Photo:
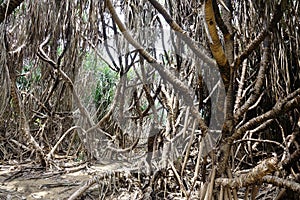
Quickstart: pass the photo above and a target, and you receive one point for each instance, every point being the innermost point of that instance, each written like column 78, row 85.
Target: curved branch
column 178, row 85
column 257, row 173
column 215, row 45
column 185, row 38
column 285, row 105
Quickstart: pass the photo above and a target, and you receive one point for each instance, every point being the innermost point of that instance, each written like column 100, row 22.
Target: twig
column 210, row 187
column 211, row 62
column 188, row 149
column 259, row 80
column 260, row 37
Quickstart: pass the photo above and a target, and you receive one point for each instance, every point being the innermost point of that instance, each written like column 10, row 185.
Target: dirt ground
column 34, row 183
column 30, row 182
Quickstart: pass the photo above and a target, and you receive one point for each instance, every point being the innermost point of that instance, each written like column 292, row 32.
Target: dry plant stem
column 292, row 185
column 188, row 149
column 24, row 125
column 50, row 154
column 203, row 190
column 229, row 193
column 288, row 162
column 178, row 85
column 96, row 50
column 221, row 193
column 20, row 145
column 71, row 144
column 226, row 194
column 67, row 79
column 235, row 197
column 228, row 37
column 131, row 147
column 26, row 132
column 260, row 140
column 82, row 109
column 282, row 106
column 76, row 168
column 210, row 188
column 216, row 47
column 178, row 179
column 46, row 58
column 86, row 186
column 197, row 167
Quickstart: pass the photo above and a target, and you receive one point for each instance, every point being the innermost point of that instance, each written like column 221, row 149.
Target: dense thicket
column 208, row 90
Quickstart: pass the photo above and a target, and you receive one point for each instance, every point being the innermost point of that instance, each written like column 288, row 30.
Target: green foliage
column 29, row 76
column 105, row 89
column 106, row 79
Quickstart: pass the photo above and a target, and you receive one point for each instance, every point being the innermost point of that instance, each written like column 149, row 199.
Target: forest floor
column 29, row 182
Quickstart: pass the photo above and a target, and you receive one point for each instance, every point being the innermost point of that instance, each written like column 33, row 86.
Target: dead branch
column 86, row 186
column 186, row 38
column 282, row 106
column 50, row 154
column 280, row 182
column 261, row 36
column 177, row 84
column 259, row 80
column 255, row 175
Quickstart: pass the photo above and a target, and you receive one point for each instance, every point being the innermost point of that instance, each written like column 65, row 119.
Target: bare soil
column 30, row 182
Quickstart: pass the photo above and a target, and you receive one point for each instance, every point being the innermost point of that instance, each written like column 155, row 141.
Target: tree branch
column 210, row 62
column 282, row 106
column 261, row 36
column 215, row 45
column 294, row 186
column 259, row 80
column 257, row 173
column 178, row 85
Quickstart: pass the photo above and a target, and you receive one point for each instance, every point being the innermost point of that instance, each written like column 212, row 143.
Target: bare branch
column 257, row 173
column 282, row 106
column 178, row 85
column 292, row 185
